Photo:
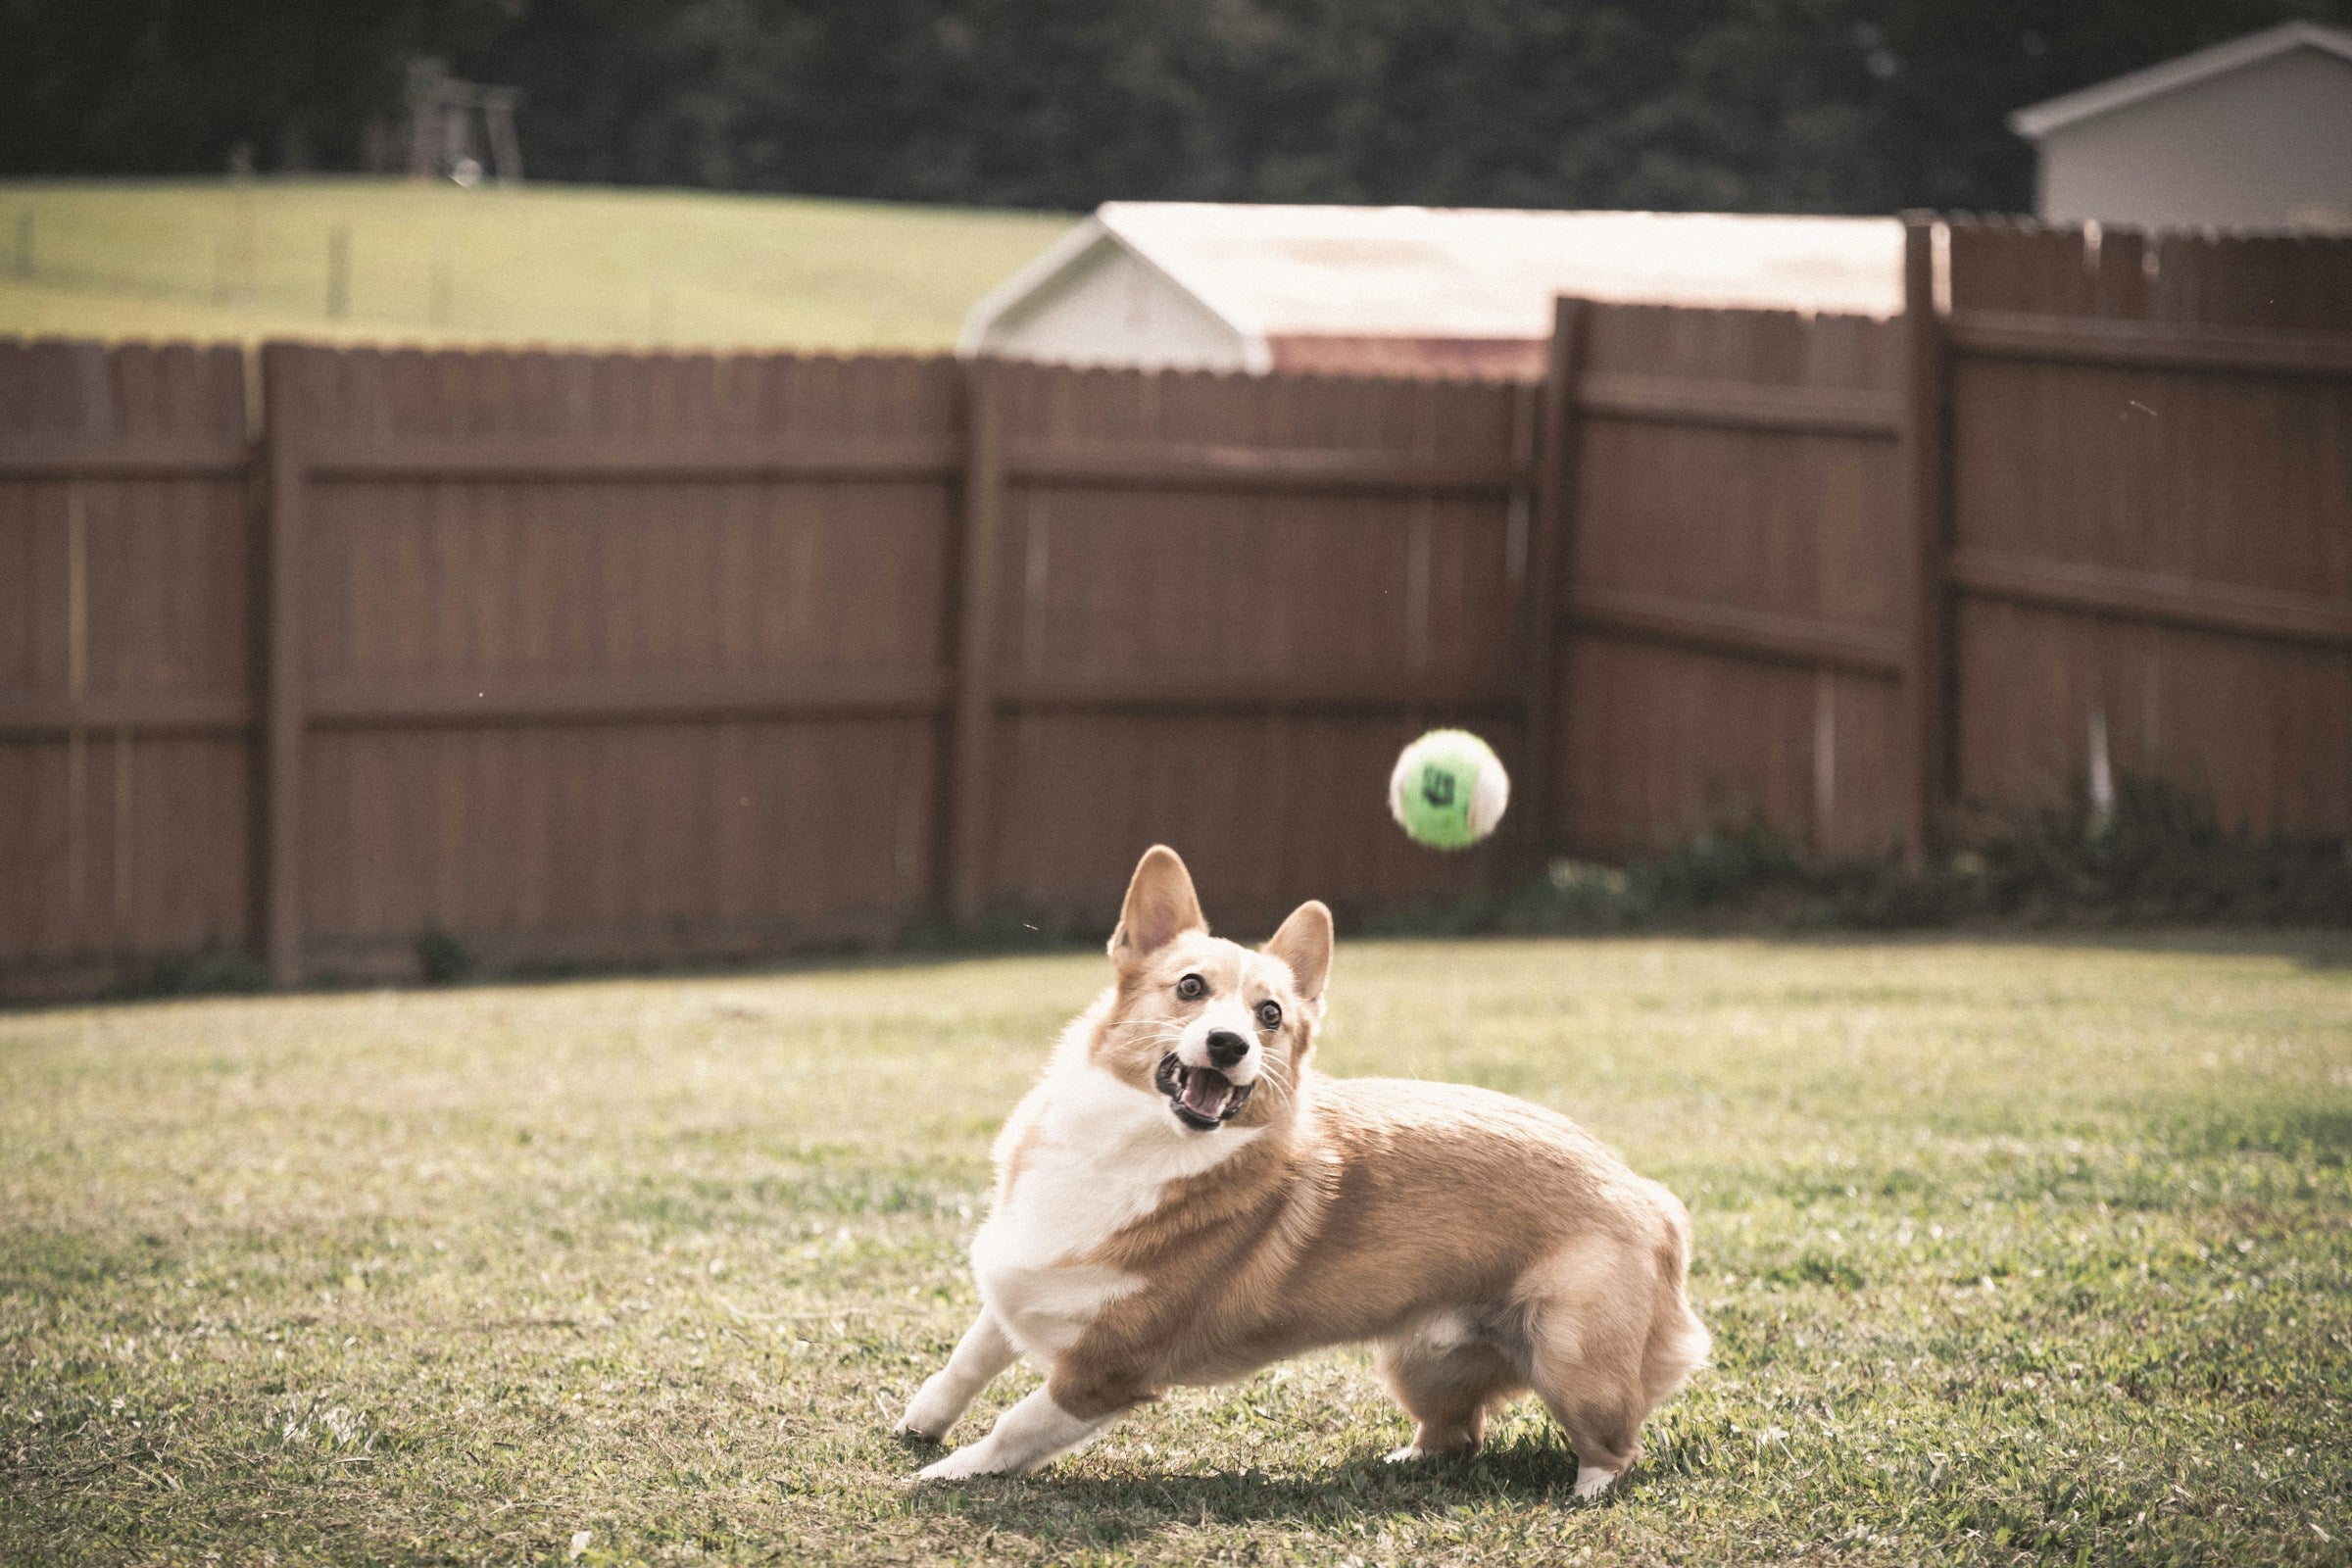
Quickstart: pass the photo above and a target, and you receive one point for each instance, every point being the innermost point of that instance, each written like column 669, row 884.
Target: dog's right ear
column 1160, row 908
column 1305, row 944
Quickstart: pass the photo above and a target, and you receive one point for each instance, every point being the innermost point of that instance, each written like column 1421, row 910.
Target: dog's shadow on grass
column 1064, row 1509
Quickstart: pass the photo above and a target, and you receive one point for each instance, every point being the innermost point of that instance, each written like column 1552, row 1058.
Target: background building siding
column 2267, row 146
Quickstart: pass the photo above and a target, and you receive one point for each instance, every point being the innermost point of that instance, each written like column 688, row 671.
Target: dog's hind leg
column 982, row 1354
column 1603, row 1425
column 1587, row 1336
column 1447, row 1382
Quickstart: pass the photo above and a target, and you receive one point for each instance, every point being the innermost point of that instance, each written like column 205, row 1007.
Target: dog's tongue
column 1205, row 1091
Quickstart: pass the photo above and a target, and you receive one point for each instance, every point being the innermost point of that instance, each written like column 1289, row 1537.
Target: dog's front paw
column 909, row 1429
column 1421, row 1449
column 970, row 1460
column 930, row 1413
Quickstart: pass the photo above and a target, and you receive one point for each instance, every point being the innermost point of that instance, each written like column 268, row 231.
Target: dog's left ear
column 1305, row 944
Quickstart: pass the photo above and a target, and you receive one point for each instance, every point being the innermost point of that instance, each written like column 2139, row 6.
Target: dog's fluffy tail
column 1679, row 1342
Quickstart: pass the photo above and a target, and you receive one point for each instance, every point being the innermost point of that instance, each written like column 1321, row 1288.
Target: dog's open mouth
column 1204, row 1099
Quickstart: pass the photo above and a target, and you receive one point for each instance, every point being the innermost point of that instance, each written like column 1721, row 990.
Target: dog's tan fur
column 1487, row 1246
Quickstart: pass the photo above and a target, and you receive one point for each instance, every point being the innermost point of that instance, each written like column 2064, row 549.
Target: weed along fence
column 578, row 657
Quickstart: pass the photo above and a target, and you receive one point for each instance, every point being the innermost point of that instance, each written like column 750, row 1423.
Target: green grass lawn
column 2014, row 1251
column 426, row 263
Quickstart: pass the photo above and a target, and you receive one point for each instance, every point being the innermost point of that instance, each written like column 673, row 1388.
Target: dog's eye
column 1269, row 1014
column 1192, row 988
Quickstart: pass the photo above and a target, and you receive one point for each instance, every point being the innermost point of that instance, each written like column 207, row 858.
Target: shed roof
column 2039, row 119
column 1464, row 272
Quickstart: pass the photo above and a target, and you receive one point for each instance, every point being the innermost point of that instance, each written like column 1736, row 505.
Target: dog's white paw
column 930, row 1413
column 965, row 1462
column 1591, row 1483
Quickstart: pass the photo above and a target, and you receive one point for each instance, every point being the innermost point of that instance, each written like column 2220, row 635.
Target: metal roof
column 1271, row 270
column 2039, row 119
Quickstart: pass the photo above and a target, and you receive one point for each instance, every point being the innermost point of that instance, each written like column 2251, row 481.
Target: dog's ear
column 1305, row 944
column 1160, row 908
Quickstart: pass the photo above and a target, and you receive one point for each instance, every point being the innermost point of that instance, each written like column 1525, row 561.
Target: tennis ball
column 1449, row 790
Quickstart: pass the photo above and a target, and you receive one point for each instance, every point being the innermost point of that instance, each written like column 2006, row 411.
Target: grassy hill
column 377, row 260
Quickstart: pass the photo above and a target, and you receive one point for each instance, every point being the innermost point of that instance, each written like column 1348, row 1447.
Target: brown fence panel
column 2152, row 483
column 1733, row 582
column 1223, row 602
column 125, row 675
column 613, row 656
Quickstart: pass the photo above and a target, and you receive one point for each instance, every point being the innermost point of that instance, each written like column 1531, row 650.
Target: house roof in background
column 2039, row 119
column 1465, row 272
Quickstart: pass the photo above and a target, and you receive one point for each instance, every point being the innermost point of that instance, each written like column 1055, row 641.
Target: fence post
column 285, row 376
column 1926, row 411
column 1546, row 556
column 972, row 748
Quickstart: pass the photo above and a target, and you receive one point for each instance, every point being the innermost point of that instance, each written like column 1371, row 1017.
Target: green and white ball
column 1449, row 790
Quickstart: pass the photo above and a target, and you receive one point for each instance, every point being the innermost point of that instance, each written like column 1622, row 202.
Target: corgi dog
column 1183, row 1199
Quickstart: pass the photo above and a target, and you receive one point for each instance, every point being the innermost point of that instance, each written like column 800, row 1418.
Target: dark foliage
column 172, row 87
column 2158, row 859
column 442, row 960
column 1774, row 105
column 215, row 971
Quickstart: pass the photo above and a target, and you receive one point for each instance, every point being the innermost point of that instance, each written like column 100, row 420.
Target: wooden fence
column 600, row 658
column 125, row 658
column 2149, row 518
column 1735, row 530
column 591, row 657
column 2086, row 510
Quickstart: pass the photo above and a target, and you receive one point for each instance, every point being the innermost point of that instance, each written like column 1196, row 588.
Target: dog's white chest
column 1103, row 1155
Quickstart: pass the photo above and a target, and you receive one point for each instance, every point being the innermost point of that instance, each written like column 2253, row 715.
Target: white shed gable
column 1092, row 300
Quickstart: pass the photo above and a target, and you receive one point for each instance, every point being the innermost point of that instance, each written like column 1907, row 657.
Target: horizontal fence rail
column 541, row 461
column 589, row 658
column 2153, row 598
column 1746, row 633
column 1801, row 409
column 74, row 455
column 1142, row 467
column 2148, row 345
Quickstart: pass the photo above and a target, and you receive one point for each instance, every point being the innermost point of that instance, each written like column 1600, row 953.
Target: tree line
column 1861, row 105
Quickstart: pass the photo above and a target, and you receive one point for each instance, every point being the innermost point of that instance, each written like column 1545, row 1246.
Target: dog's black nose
column 1225, row 1048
